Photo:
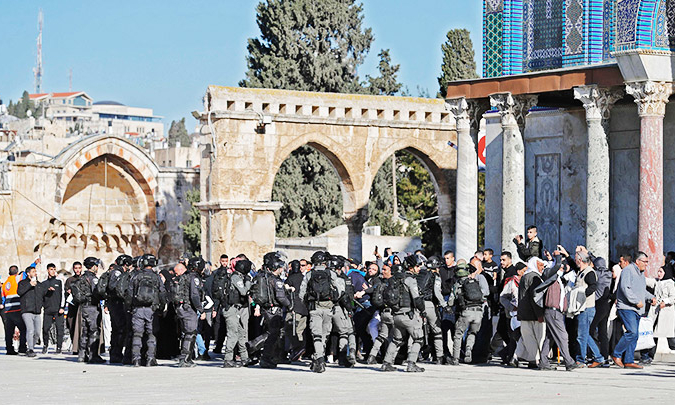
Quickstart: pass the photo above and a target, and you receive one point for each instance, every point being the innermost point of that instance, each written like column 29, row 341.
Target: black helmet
column 196, row 264
column 334, row 262
column 123, row 260
column 294, row 266
column 147, row 260
column 396, row 269
column 90, row 262
column 243, row 266
column 434, row 262
column 270, row 259
column 412, row 261
column 319, row 257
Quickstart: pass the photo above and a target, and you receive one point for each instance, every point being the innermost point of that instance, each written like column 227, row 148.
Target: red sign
column 481, row 150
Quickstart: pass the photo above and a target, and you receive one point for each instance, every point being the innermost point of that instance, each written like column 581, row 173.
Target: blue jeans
column 628, row 342
column 584, row 338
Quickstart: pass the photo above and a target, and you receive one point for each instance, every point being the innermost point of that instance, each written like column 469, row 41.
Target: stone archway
column 256, row 129
column 105, row 201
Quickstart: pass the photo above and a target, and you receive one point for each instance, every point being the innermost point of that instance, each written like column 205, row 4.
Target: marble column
column 651, row 98
column 513, row 111
column 355, row 236
column 597, row 103
column 446, row 228
column 466, row 205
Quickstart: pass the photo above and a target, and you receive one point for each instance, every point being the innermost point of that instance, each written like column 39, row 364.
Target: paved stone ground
column 60, row 379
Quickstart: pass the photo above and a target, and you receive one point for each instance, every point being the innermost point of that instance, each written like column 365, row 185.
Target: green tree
column 458, row 59
column 381, row 205
column 386, row 84
column 191, row 226
column 312, row 46
column 308, row 45
column 312, row 198
column 21, row 108
column 178, row 133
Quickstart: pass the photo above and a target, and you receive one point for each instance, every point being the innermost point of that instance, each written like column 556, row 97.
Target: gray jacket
column 632, row 289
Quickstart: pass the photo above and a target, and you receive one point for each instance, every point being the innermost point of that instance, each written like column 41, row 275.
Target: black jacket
column 31, row 297
column 52, row 300
column 528, row 310
column 279, row 291
column 294, row 279
column 531, row 248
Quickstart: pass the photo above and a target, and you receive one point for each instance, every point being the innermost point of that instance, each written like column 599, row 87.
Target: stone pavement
column 59, row 379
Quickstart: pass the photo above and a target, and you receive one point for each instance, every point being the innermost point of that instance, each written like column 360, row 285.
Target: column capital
column 513, row 109
column 598, row 101
column 460, row 109
column 651, row 97
column 477, row 107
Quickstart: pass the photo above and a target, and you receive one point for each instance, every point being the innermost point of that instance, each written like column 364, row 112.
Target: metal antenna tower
column 38, row 69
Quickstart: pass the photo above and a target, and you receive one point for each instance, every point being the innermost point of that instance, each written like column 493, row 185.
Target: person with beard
column 296, row 320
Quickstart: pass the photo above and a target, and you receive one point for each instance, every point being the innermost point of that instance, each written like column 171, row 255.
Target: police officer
column 386, row 324
column 146, row 294
column 470, row 309
column 273, row 313
column 236, row 313
column 118, row 315
column 319, row 289
column 186, row 291
column 91, row 316
column 429, row 283
column 343, row 312
column 407, row 316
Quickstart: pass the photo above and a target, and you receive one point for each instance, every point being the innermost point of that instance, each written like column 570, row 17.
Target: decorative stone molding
column 460, row 109
column 650, row 97
column 513, row 109
column 476, row 110
column 240, row 205
column 598, row 101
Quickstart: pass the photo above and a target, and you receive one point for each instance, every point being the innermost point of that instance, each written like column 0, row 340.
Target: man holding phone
column 533, row 247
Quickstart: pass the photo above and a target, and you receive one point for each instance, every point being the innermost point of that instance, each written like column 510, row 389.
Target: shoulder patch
column 196, row 281
column 117, row 273
column 280, row 284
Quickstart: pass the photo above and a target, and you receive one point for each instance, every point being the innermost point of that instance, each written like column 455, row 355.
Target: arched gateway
column 255, row 130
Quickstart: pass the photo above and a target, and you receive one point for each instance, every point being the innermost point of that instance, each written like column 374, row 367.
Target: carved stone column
column 597, row 102
column 651, row 98
column 446, row 228
column 355, row 236
column 466, row 206
column 513, row 111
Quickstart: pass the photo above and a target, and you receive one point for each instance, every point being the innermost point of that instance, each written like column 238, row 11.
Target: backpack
column 146, row 293
column 81, row 290
column 376, row 297
column 102, row 286
column 347, row 299
column 392, row 292
column 261, row 291
column 472, row 292
column 425, row 284
column 220, row 285
column 319, row 287
column 122, row 286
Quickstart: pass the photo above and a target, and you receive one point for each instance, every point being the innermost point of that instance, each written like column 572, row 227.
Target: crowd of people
column 534, row 308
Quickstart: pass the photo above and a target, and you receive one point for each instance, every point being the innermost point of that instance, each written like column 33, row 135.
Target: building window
column 188, row 164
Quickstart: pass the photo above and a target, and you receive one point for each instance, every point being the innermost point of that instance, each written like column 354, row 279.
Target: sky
column 162, row 54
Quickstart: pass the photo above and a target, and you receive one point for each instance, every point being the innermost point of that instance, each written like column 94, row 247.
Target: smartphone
column 375, row 249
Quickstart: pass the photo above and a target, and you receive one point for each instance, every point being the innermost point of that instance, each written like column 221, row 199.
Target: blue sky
column 163, row 54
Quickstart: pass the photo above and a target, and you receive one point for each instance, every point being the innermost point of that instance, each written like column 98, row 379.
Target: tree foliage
column 458, row 59
column 386, row 84
column 21, row 108
column 191, row 226
column 308, row 45
column 178, row 133
column 312, row 198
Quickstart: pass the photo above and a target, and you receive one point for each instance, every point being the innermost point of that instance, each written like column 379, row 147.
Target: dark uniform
column 187, row 299
column 118, row 315
column 429, row 283
column 71, row 313
column 274, row 316
column 53, row 300
column 91, row 317
column 295, row 333
column 146, row 294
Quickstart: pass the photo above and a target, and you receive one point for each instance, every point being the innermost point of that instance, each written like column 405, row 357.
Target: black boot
column 388, row 367
column 414, row 368
column 256, row 344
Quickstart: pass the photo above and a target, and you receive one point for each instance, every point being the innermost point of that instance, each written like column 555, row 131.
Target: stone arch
column 139, row 164
column 330, row 149
column 441, row 177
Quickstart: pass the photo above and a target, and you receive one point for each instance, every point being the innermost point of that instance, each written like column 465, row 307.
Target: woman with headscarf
column 663, row 313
